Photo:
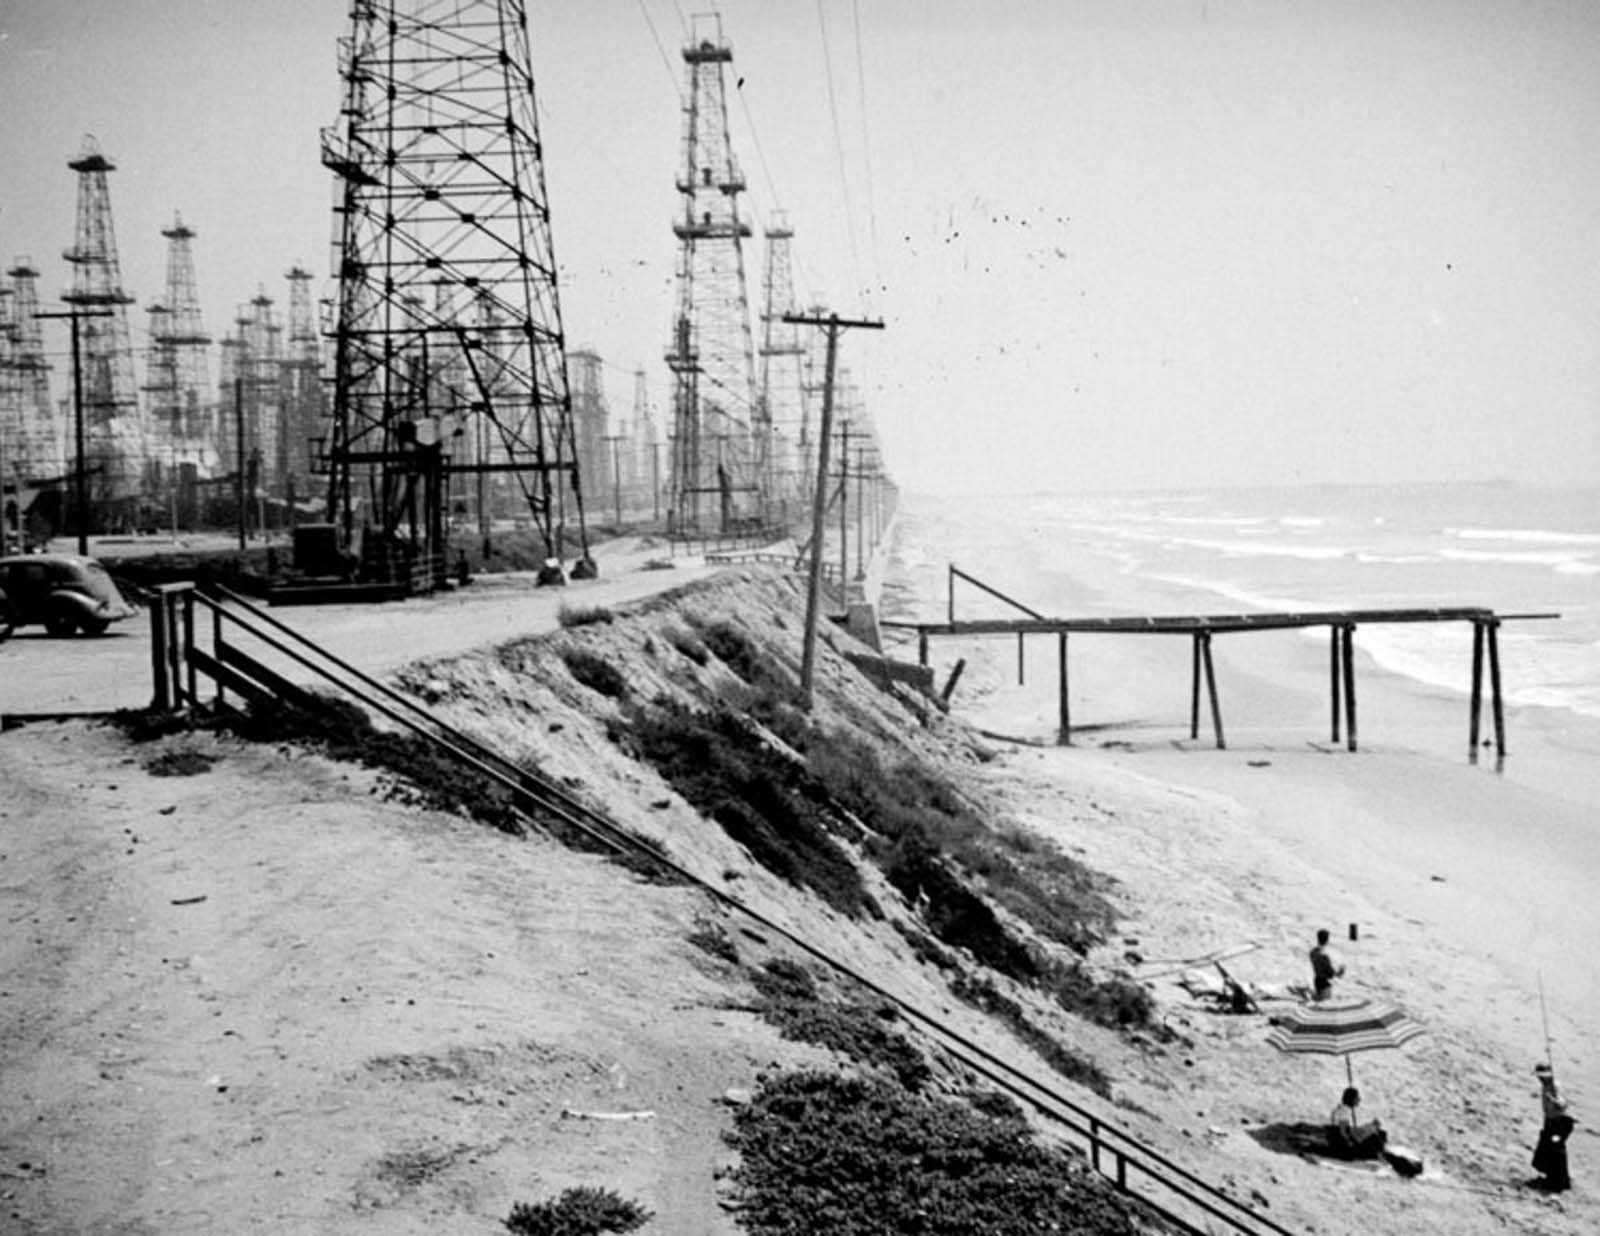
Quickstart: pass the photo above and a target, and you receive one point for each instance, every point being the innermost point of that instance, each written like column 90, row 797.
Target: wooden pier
column 1201, row 629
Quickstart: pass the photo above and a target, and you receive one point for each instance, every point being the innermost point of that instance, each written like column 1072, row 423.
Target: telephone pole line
column 81, row 475
column 832, row 325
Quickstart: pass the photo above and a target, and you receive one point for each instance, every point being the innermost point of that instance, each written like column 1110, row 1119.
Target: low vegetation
column 583, row 1211
column 864, row 1033
column 850, row 1156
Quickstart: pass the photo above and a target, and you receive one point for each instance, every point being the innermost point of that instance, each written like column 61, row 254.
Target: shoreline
column 1471, row 888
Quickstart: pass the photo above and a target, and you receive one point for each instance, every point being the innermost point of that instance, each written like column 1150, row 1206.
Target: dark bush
column 583, row 615
column 596, row 672
column 760, row 797
column 790, row 1000
column 583, row 1211
column 857, row 1156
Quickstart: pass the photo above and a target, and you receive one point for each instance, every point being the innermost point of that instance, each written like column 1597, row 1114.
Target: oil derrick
column 782, row 379
column 35, row 444
column 114, row 429
column 300, row 389
column 643, row 478
column 444, row 244
column 714, row 479
column 180, row 410
column 251, row 398
column 591, row 426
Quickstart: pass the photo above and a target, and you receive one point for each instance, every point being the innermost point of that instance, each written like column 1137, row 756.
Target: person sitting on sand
column 1350, row 1137
column 1324, row 969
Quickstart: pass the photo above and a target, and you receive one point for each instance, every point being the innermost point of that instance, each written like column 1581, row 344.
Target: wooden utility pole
column 81, row 480
column 832, row 324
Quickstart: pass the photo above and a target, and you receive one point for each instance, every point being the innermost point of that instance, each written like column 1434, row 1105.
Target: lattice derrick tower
column 644, row 435
column 591, row 423
column 782, row 379
column 180, row 410
column 711, row 353
column 256, row 395
column 300, row 385
column 114, row 429
column 37, row 446
column 444, row 241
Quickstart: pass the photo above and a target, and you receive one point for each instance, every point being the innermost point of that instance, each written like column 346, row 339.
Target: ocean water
column 1513, row 548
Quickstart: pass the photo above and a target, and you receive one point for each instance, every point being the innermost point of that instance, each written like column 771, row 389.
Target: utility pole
column 832, row 324
column 80, row 475
column 238, row 488
column 616, row 476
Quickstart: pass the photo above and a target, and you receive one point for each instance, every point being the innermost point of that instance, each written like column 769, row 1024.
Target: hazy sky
column 1115, row 243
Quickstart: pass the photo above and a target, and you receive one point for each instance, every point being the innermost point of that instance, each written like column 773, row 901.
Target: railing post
column 1094, row 1143
column 162, row 701
column 191, row 686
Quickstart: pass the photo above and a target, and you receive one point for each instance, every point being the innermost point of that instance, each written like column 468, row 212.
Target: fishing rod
column 1544, row 1018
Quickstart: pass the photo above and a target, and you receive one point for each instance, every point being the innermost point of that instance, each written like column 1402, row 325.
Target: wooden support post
column 922, row 647
column 1211, row 688
column 950, row 592
column 1476, row 704
column 190, row 685
column 1064, row 736
column 950, row 683
column 158, row 651
column 1349, row 659
column 1021, row 640
column 1333, row 677
column 1194, row 689
column 1496, row 701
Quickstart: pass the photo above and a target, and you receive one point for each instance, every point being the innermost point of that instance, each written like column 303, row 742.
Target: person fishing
column 1550, row 1156
column 1324, row 968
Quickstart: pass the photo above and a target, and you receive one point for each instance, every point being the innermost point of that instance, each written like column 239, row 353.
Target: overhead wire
column 838, row 144
column 866, row 147
column 666, row 60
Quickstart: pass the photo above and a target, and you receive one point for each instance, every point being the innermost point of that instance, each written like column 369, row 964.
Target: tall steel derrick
column 783, row 386
column 180, row 408
column 448, row 343
column 300, row 388
column 115, row 451
column 715, row 475
column 35, row 446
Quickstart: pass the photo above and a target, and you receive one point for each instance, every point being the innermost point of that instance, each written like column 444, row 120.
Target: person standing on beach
column 1550, row 1156
column 1324, row 968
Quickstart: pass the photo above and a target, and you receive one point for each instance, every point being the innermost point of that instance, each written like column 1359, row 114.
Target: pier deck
column 1201, row 628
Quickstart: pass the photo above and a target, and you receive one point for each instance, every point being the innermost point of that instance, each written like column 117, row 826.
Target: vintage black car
column 61, row 592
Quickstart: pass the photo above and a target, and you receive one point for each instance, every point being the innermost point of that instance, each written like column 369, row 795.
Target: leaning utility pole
column 832, row 325
column 80, row 468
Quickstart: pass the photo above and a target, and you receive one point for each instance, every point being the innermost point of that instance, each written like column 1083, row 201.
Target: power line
column 838, row 145
column 666, row 60
column 866, row 147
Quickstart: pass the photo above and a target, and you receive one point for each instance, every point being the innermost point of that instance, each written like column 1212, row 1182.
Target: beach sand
column 378, row 1018
column 1468, row 888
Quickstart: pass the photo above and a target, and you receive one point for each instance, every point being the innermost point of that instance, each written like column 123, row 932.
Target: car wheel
column 60, row 625
column 93, row 626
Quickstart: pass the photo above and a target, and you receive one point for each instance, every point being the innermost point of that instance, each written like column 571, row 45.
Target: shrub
column 595, row 672
column 583, row 615
column 583, row 1211
column 790, row 1001
column 761, row 798
column 852, row 1156
column 181, row 763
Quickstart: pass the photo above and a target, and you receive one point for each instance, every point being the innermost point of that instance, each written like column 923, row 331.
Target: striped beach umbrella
column 1342, row 1029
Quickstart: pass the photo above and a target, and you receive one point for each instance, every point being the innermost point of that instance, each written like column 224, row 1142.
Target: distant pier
column 1200, row 629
